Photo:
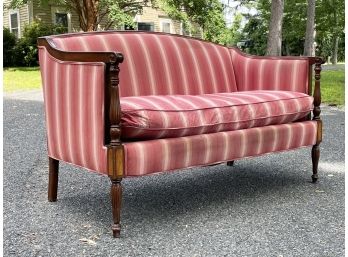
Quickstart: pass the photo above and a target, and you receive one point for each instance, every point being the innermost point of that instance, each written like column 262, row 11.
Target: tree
column 254, row 33
column 310, row 29
column 208, row 14
column 330, row 28
column 92, row 12
column 274, row 40
column 294, row 27
column 235, row 33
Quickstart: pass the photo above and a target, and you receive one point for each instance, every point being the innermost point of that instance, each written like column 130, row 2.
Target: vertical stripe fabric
column 161, row 64
column 154, row 117
column 158, row 155
column 74, row 110
column 269, row 74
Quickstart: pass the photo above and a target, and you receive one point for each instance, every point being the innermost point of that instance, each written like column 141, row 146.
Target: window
column 129, row 27
column 166, row 27
column 14, row 23
column 61, row 18
column 148, row 26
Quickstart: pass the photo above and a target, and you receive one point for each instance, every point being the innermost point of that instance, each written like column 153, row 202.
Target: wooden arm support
column 317, row 97
column 317, row 92
column 316, row 117
column 115, row 149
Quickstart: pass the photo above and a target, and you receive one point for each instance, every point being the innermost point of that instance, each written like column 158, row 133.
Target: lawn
column 19, row 79
column 332, row 87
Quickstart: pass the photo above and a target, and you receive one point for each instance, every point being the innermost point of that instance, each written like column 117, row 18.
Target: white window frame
column 166, row 21
column 14, row 11
column 55, row 10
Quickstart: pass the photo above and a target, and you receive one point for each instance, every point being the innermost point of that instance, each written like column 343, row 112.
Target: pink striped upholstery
column 175, row 153
column 255, row 73
column 150, row 117
column 74, row 108
column 161, row 64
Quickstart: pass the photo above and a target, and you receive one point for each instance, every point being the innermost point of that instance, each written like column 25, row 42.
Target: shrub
column 9, row 41
column 25, row 51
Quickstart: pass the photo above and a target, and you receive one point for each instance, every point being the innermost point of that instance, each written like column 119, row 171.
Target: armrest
column 82, row 104
column 291, row 73
column 75, row 56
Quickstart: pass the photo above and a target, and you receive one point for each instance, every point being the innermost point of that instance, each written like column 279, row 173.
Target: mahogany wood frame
column 115, row 150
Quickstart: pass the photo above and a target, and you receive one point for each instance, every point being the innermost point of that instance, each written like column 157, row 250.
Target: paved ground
column 333, row 67
column 261, row 207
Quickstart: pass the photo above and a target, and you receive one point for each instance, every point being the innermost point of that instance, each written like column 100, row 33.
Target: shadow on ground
column 263, row 206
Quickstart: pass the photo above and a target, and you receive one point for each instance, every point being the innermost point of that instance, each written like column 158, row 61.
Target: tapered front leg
column 53, row 166
column 315, row 161
column 116, row 199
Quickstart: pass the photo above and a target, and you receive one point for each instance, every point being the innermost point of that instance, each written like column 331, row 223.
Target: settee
column 133, row 103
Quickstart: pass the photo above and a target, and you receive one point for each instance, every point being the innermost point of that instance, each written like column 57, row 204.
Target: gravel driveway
column 264, row 206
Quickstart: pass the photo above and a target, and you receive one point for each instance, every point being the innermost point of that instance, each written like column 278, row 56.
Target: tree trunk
column 88, row 13
column 91, row 14
column 274, row 41
column 335, row 50
column 335, row 39
column 309, row 49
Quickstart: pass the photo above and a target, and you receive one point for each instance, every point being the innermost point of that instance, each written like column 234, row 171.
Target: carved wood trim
column 317, row 98
column 115, row 150
column 317, row 91
column 74, row 56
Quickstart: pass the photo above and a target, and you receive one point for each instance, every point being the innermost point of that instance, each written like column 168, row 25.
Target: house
column 150, row 19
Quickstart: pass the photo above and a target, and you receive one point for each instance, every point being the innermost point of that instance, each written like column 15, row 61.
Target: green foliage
column 9, row 41
column 294, row 27
column 118, row 15
column 208, row 14
column 214, row 25
column 113, row 12
column 25, row 51
column 329, row 23
column 235, row 32
column 254, row 35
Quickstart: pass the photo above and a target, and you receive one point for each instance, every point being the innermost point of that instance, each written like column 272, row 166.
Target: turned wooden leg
column 53, row 166
column 230, row 163
column 116, row 199
column 315, row 161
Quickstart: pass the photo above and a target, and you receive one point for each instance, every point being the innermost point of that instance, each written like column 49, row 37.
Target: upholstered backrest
column 270, row 73
column 160, row 64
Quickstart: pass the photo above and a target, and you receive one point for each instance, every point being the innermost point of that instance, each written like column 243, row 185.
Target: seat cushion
column 164, row 116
